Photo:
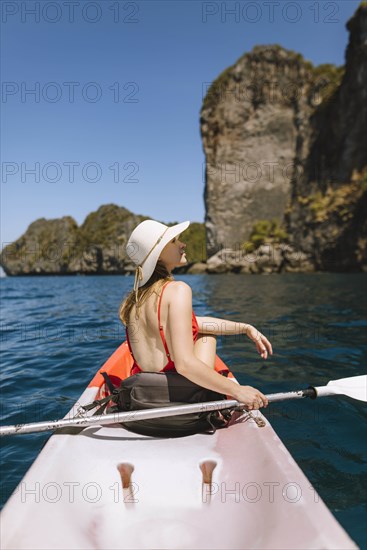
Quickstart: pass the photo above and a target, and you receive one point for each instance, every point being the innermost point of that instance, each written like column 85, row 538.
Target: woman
column 162, row 331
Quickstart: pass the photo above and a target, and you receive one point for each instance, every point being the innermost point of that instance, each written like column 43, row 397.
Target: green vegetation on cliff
column 338, row 202
column 195, row 239
column 326, row 79
column 105, row 228
column 265, row 231
column 323, row 79
column 217, row 88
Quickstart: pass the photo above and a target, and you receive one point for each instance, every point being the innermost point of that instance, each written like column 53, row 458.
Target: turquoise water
column 57, row 331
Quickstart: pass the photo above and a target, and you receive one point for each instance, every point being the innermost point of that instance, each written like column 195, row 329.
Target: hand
column 262, row 343
column 251, row 397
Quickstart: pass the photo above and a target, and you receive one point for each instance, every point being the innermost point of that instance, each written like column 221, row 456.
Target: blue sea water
column 57, row 331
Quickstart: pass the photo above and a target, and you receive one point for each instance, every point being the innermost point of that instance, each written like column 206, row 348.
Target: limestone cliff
column 327, row 215
column 253, row 120
column 286, row 141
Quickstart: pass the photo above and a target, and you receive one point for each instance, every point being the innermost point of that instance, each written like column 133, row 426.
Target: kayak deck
column 79, row 493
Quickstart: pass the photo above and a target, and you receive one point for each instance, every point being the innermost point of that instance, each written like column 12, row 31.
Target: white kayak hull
column 73, row 498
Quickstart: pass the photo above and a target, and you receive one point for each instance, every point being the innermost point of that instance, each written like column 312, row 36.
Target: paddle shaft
column 147, row 414
column 354, row 387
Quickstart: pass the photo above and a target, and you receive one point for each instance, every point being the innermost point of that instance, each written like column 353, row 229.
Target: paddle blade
column 355, row 387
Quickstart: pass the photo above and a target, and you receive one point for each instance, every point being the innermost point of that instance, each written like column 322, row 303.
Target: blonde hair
column 159, row 276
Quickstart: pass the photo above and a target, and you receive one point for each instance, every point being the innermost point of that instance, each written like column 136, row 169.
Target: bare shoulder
column 178, row 291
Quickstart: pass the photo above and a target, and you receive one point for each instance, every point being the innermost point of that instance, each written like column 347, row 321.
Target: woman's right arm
column 186, row 362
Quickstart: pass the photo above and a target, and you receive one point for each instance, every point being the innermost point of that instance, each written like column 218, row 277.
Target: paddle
column 354, row 387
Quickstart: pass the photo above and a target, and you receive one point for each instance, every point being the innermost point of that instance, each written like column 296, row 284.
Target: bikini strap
column 128, row 343
column 161, row 331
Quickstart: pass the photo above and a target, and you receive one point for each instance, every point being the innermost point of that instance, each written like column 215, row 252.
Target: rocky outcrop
column 285, row 141
column 97, row 247
column 269, row 258
column 60, row 247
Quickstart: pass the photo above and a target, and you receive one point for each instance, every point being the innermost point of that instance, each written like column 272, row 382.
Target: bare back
column 144, row 335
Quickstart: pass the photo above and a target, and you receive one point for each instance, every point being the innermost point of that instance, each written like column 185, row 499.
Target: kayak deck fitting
column 106, row 487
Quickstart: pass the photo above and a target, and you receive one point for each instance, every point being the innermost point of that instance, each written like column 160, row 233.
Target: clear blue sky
column 148, row 61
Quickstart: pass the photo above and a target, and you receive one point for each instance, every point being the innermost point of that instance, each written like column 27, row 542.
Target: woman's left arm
column 220, row 327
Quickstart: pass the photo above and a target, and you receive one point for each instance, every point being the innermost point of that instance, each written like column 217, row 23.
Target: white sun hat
column 145, row 245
